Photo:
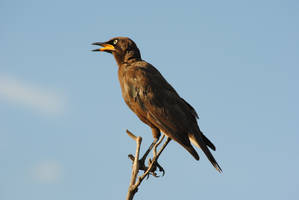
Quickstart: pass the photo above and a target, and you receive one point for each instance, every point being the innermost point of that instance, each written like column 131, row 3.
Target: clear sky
column 63, row 121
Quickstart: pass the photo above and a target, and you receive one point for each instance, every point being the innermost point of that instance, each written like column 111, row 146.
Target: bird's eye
column 115, row 42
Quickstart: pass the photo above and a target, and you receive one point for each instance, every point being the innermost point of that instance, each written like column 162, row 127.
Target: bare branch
column 133, row 188
column 135, row 168
column 153, row 161
column 131, row 135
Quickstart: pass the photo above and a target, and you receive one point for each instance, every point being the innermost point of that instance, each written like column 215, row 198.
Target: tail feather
column 211, row 158
column 192, row 151
column 200, row 141
column 208, row 142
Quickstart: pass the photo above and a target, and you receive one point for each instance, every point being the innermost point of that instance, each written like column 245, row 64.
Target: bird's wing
column 156, row 102
column 160, row 103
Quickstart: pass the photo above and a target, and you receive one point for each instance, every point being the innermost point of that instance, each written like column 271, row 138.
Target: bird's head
column 123, row 48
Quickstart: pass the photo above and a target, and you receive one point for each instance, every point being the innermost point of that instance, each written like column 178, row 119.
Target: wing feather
column 161, row 104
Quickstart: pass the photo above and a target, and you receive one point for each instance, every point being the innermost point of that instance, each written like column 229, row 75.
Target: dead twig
column 133, row 188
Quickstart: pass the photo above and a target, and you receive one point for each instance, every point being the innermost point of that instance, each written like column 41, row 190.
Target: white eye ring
column 115, row 42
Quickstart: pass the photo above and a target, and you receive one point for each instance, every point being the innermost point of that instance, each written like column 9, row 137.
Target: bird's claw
column 156, row 166
column 144, row 168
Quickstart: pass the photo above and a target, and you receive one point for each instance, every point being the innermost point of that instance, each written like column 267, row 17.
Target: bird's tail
column 201, row 141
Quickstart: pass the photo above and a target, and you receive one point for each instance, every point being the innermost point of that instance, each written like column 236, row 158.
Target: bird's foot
column 141, row 163
column 154, row 166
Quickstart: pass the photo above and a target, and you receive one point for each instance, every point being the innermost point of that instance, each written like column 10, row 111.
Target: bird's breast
column 133, row 94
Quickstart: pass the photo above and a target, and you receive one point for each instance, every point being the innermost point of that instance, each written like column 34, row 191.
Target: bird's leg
column 156, row 135
column 154, row 162
column 156, row 146
column 142, row 160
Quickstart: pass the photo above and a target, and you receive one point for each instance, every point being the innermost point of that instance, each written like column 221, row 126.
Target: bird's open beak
column 106, row 47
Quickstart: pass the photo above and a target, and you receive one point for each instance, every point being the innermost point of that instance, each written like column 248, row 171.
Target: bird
column 156, row 103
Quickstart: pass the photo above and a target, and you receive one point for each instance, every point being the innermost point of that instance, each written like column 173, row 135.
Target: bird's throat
column 128, row 57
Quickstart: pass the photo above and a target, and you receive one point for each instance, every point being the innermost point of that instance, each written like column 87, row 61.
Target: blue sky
column 63, row 121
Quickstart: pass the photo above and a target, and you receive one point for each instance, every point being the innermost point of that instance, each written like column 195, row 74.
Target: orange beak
column 106, row 47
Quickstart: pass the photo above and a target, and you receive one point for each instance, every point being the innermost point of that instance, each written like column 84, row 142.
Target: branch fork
column 137, row 165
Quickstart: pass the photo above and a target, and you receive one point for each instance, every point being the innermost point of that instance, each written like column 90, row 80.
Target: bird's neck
column 128, row 57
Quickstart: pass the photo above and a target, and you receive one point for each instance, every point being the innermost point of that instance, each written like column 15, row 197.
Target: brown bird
column 154, row 100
